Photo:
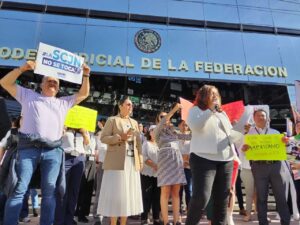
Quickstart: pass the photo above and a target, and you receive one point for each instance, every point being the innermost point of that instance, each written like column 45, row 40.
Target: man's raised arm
column 8, row 82
column 84, row 90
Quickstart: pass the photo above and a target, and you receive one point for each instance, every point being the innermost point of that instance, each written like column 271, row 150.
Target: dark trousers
column 187, row 188
column 86, row 189
column 265, row 174
column 210, row 178
column 238, row 190
column 297, row 186
column 151, row 197
column 2, row 205
column 65, row 208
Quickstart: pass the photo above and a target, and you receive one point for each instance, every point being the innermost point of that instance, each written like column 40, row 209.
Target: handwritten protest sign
column 81, row 117
column 186, row 106
column 59, row 63
column 265, row 147
column 234, row 110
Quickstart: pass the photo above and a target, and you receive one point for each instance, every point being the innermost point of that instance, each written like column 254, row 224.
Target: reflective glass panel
column 221, row 13
column 14, row 45
column 289, row 48
column 254, row 3
column 106, row 48
column 226, row 48
column 187, row 51
column 286, row 20
column 186, row 10
column 108, row 5
column 148, row 7
column 284, row 5
column 68, row 3
column 262, row 50
column 255, row 16
column 68, row 36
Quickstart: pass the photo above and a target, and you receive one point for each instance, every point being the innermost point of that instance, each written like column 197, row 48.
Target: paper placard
column 81, row 117
column 265, row 147
column 186, row 106
column 59, row 63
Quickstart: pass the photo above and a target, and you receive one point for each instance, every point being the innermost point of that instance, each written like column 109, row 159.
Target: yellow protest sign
column 265, row 147
column 81, row 117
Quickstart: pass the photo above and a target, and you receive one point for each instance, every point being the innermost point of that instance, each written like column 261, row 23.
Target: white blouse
column 150, row 151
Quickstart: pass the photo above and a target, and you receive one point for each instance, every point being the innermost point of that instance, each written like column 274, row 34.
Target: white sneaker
column 296, row 216
column 230, row 220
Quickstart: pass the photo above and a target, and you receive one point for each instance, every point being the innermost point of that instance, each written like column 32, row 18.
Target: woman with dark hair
column 170, row 174
column 184, row 146
column 211, row 158
column 120, row 194
column 150, row 191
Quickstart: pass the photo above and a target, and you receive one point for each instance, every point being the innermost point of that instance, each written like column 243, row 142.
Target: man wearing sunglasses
column 39, row 138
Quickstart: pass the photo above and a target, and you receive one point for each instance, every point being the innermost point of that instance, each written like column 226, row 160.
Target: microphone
column 217, row 107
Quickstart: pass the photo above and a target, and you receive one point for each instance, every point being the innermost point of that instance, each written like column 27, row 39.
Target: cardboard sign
column 265, row 147
column 186, row 106
column 81, row 117
column 234, row 110
column 59, row 63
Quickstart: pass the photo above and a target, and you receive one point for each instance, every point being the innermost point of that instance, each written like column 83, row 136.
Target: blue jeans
column 25, row 207
column 27, row 161
column 34, row 198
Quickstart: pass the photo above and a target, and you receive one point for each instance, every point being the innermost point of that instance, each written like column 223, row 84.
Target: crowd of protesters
column 133, row 170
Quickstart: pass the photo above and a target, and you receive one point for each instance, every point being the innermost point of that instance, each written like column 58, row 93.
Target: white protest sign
column 59, row 63
column 247, row 116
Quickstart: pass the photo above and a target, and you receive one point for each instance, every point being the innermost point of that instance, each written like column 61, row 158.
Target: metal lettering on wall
column 146, row 63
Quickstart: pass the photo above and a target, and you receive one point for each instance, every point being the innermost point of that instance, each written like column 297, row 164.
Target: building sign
column 154, row 64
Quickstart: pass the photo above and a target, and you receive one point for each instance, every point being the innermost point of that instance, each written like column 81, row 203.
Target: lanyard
column 257, row 131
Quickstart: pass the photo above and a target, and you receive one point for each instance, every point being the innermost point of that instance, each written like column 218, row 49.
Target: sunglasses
column 162, row 116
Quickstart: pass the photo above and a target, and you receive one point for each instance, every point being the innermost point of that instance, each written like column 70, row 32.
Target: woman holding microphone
column 211, row 158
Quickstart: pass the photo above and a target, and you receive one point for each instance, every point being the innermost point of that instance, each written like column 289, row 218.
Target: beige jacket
column 116, row 148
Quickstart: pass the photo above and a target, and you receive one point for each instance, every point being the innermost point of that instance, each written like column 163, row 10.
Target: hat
column 152, row 127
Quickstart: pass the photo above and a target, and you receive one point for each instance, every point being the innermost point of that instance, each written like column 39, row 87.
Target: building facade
column 248, row 48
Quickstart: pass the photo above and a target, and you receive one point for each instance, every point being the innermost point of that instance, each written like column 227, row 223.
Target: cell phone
column 130, row 130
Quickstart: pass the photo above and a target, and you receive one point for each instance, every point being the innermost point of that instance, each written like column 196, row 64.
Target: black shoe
column 157, row 222
column 178, row 223
column 83, row 219
column 97, row 223
column 74, row 222
column 144, row 222
column 136, row 217
column 35, row 213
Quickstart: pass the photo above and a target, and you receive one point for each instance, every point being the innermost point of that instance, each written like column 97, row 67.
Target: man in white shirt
column 267, row 172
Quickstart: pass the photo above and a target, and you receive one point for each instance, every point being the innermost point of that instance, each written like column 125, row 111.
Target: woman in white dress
column 120, row 194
